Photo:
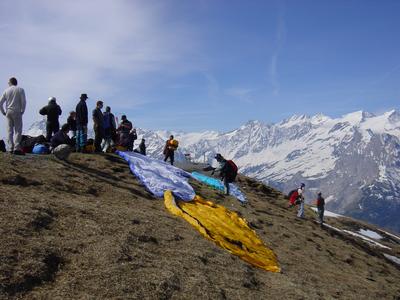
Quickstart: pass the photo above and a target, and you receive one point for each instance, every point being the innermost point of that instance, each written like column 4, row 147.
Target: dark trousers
column 51, row 128
column 321, row 215
column 226, row 184
column 98, row 137
column 169, row 154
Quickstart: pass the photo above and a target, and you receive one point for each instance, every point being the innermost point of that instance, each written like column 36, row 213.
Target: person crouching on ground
column 61, row 137
column 98, row 126
column 169, row 150
column 227, row 170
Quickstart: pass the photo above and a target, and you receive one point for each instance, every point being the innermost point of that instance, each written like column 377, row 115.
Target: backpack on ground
column 40, row 149
column 2, row 146
column 28, row 142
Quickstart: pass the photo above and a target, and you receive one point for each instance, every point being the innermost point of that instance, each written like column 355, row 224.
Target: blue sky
column 199, row 65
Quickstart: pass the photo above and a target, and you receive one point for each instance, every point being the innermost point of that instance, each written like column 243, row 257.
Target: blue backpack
column 40, row 149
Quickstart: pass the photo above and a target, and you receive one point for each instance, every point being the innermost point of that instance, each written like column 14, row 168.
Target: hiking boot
column 18, row 152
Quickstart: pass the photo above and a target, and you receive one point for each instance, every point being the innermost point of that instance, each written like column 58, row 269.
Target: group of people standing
column 107, row 133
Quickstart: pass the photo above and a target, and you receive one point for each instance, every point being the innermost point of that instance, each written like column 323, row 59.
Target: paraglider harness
column 294, row 197
column 228, row 171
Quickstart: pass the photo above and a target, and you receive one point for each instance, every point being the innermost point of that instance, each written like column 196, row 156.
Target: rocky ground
column 88, row 229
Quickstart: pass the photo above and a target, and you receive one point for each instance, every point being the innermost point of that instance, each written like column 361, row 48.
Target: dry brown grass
column 87, row 229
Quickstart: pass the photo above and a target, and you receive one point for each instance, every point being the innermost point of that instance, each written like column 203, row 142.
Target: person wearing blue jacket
column 81, row 123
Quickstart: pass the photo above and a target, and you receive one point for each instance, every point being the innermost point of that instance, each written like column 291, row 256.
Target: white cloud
column 65, row 48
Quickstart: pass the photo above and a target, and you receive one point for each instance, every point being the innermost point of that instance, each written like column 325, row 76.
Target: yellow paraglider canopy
column 225, row 228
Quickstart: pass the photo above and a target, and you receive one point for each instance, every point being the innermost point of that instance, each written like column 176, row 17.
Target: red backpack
column 293, row 195
column 233, row 168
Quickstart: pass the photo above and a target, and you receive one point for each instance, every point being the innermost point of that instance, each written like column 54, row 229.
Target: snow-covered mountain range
column 353, row 160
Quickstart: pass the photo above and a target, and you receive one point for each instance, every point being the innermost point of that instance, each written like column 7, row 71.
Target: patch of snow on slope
column 328, row 213
column 366, row 239
column 392, row 258
column 371, row 234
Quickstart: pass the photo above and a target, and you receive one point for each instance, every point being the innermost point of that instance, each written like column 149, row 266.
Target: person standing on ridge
column 52, row 110
column 169, row 150
column 227, row 171
column 321, row 208
column 132, row 139
column 142, row 147
column 123, row 130
column 81, row 123
column 98, row 125
column 14, row 98
column 109, row 129
column 300, row 192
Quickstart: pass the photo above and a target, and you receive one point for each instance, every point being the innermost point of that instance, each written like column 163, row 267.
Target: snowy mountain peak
column 394, row 116
column 37, row 128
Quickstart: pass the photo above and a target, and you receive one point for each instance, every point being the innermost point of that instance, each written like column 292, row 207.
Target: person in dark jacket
column 61, row 137
column 226, row 172
column 321, row 208
column 124, row 130
column 71, row 121
column 142, row 147
column 109, row 129
column 169, row 150
column 52, row 111
column 132, row 138
column 98, row 125
column 81, row 123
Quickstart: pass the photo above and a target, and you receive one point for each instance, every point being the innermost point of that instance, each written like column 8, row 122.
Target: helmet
column 51, row 99
column 302, row 185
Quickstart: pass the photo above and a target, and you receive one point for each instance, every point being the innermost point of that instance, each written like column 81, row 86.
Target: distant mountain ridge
column 354, row 160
